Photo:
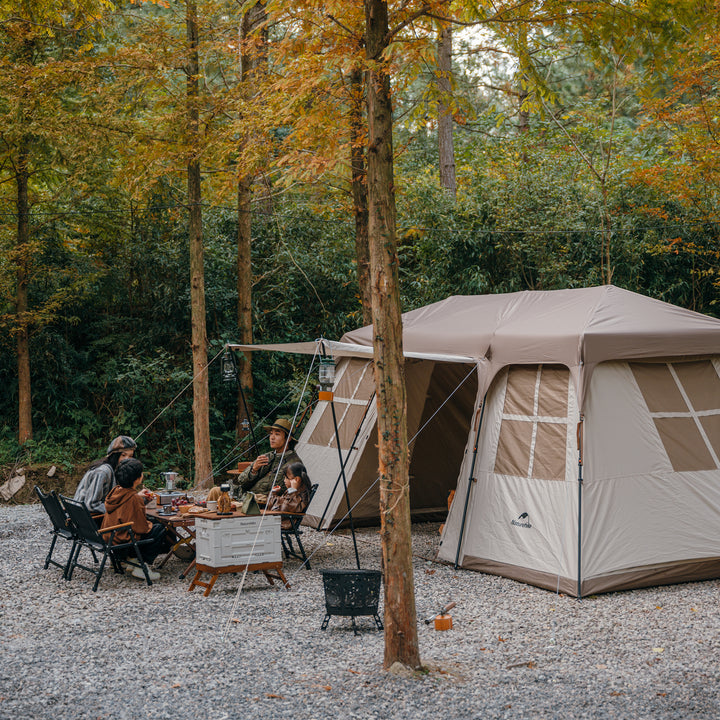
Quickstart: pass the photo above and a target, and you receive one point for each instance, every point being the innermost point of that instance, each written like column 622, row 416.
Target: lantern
column 228, row 368
column 326, row 373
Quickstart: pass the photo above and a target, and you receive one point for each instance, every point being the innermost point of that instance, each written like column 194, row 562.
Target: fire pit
column 351, row 593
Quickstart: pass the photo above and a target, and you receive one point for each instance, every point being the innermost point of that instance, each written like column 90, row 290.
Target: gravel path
column 132, row 651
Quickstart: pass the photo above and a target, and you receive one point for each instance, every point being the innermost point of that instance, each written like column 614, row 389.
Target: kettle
column 170, row 478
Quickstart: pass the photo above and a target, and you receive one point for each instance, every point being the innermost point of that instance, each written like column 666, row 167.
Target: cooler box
column 220, row 543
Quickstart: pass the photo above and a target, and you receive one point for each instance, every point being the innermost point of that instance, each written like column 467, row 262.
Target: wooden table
column 215, row 573
column 220, row 546
column 173, row 523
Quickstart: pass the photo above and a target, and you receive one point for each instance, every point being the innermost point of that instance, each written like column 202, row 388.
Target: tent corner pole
column 470, row 482
column 579, row 522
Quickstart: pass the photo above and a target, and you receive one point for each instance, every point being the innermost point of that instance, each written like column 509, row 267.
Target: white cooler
column 220, row 543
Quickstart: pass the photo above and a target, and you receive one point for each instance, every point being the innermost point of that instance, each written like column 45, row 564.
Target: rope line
column 236, row 600
column 377, row 479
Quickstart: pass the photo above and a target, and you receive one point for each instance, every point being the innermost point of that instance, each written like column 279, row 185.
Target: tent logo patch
column 522, row 521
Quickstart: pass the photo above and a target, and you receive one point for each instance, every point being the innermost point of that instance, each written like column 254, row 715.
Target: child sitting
column 294, row 496
column 124, row 505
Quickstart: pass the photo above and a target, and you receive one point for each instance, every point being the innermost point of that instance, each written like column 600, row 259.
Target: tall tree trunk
column 359, row 190
column 244, row 291
column 25, row 431
column 250, row 62
column 401, row 641
column 446, row 148
column 201, row 396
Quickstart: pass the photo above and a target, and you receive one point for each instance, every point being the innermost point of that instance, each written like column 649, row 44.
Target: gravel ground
column 132, row 651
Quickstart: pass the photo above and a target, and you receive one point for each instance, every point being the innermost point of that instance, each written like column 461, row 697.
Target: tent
column 579, row 428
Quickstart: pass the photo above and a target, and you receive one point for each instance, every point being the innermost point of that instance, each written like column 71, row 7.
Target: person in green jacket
column 269, row 469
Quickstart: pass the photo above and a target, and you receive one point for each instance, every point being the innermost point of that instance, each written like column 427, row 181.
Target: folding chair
column 294, row 531
column 101, row 540
column 61, row 528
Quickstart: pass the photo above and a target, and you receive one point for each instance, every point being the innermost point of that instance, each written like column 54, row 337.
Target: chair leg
column 66, row 569
column 72, row 562
column 100, row 570
column 49, row 555
column 304, row 557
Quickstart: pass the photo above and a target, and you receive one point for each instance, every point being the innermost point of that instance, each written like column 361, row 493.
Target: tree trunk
column 201, row 396
column 25, row 431
column 359, row 190
column 250, row 61
column 244, row 291
column 446, row 149
column 401, row 641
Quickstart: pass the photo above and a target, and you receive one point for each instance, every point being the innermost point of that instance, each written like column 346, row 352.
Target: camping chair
column 101, row 540
column 294, row 531
column 61, row 529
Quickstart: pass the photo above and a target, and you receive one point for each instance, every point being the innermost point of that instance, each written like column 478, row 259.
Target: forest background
column 585, row 151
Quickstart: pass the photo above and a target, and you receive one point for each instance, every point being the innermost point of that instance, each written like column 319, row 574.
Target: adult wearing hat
column 262, row 473
column 99, row 479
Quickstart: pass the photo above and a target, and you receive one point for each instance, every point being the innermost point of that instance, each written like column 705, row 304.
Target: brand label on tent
column 522, row 521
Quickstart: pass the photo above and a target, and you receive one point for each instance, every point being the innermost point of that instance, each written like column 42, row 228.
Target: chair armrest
column 115, row 527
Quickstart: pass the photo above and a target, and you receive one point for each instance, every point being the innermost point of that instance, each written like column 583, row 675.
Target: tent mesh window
column 533, row 432
column 353, row 389
column 684, row 402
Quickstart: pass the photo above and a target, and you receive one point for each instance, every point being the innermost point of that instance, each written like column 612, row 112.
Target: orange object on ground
column 443, row 622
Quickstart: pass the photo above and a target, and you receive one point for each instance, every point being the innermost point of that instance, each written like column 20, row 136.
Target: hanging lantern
column 228, row 368
column 326, row 373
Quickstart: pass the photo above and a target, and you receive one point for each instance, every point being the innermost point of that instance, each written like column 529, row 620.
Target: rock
column 11, row 487
column 51, row 472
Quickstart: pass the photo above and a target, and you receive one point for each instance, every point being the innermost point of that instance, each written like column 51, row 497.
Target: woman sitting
column 294, row 495
column 124, row 504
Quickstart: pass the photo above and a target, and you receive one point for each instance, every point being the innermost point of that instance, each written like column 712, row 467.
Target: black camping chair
column 294, row 531
column 61, row 529
column 101, row 541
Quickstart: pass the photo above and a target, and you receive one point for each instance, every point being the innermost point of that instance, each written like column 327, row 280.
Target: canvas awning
column 321, row 346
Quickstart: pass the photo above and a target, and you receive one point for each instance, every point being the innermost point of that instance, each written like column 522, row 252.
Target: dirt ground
column 62, row 481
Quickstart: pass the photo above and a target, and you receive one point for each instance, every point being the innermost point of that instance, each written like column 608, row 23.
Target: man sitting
column 260, row 476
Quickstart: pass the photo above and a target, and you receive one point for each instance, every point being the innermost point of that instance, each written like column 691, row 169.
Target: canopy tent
column 506, row 393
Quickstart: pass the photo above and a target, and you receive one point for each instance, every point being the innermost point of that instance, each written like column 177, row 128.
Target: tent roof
column 575, row 327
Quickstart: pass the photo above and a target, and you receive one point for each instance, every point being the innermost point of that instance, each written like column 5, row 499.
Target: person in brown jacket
column 124, row 504
column 294, row 495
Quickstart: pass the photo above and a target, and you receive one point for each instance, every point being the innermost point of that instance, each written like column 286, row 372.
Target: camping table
column 272, row 569
column 173, row 523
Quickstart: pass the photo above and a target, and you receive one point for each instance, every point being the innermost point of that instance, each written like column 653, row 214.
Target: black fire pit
column 351, row 593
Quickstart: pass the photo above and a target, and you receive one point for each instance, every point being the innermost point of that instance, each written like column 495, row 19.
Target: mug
column 212, row 505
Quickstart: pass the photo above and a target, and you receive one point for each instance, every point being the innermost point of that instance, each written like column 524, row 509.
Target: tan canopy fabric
column 578, row 328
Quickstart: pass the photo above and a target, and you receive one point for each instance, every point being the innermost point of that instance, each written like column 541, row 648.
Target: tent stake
column 470, row 481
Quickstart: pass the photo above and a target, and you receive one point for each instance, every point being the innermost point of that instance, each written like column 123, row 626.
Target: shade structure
column 580, row 430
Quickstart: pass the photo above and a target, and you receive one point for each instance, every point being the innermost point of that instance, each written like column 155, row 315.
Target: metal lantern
column 326, row 373
column 228, row 368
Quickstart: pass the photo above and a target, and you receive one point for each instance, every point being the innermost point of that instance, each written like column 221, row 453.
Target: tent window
column 684, row 403
column 533, row 432
column 353, row 389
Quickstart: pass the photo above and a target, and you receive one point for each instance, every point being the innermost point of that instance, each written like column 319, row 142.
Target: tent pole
column 236, row 375
column 342, row 472
column 470, row 481
column 580, row 488
column 343, row 463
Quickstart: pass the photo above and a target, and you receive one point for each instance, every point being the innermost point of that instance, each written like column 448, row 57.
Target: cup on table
column 212, row 505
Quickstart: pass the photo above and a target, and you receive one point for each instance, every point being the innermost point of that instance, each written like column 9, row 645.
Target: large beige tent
column 579, row 428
